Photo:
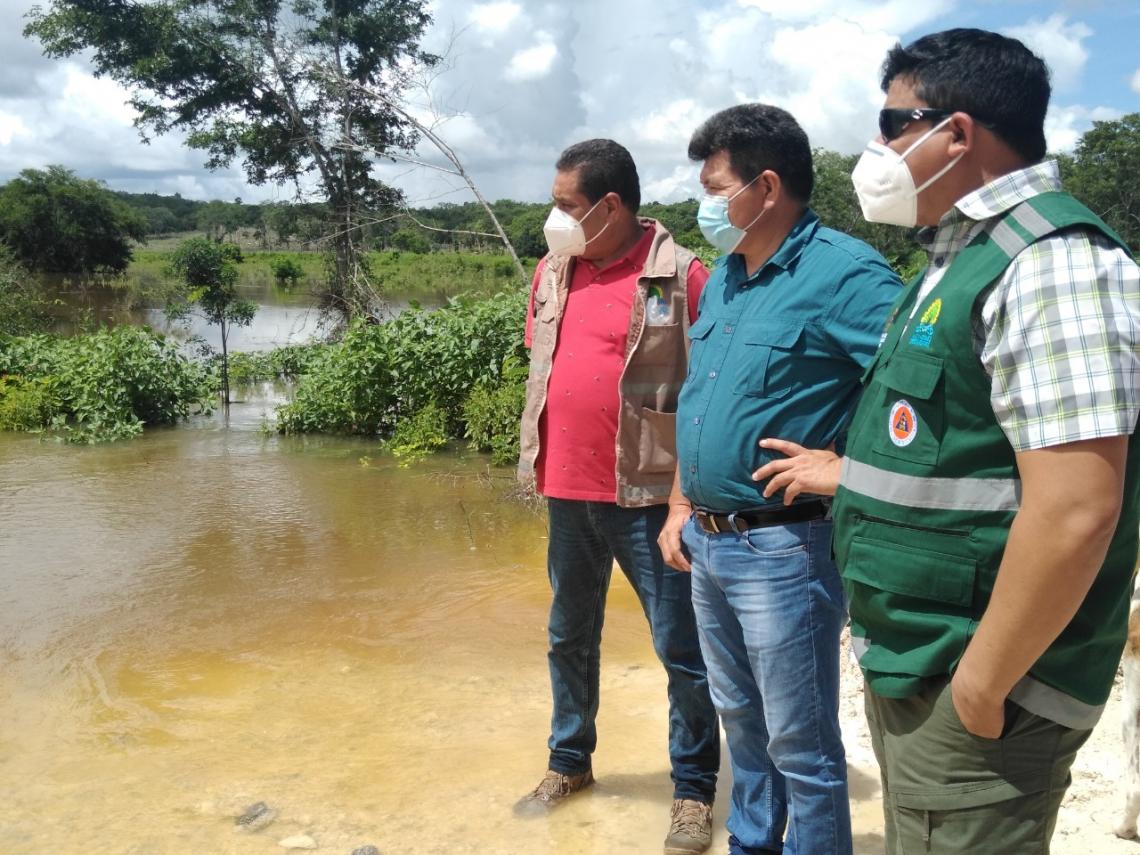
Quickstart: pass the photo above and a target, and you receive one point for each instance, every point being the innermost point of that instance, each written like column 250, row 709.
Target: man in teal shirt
column 790, row 317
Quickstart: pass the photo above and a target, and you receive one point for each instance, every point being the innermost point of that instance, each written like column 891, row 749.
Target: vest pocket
column 911, row 591
column 657, row 437
column 914, row 407
column 661, row 344
column 766, row 369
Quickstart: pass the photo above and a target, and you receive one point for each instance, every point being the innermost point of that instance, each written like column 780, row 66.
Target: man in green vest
column 986, row 507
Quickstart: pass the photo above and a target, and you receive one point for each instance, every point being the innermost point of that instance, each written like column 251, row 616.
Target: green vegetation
column 281, row 363
column 58, row 223
column 102, row 386
column 492, row 412
column 208, row 274
column 380, row 375
column 22, row 310
column 1104, row 173
column 423, row 379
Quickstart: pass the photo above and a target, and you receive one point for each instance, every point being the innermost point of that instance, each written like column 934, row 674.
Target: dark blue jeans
column 585, row 539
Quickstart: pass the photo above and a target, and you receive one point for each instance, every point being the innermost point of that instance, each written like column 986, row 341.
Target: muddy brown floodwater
column 205, row 618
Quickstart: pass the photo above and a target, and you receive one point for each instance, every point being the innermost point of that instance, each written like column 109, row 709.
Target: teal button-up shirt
column 777, row 354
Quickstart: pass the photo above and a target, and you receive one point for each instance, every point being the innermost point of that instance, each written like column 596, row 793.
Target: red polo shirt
column 578, row 427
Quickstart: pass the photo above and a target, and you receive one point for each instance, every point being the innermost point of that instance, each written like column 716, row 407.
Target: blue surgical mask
column 712, row 217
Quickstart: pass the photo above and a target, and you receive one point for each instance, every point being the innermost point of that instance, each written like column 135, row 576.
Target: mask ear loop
column 602, row 229
column 919, row 142
column 733, row 196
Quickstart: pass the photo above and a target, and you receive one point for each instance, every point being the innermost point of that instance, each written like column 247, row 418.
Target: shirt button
column 691, row 468
column 697, row 420
column 712, row 375
column 728, row 328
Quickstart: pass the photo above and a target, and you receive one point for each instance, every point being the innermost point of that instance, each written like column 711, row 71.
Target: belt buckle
column 709, row 521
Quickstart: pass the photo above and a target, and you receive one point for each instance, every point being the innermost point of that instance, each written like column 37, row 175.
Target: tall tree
column 1104, row 173
column 238, row 76
column 56, row 222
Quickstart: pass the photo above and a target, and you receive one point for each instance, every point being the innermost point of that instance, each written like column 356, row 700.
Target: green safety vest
column 930, row 487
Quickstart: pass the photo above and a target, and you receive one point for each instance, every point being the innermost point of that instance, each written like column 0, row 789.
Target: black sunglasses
column 893, row 121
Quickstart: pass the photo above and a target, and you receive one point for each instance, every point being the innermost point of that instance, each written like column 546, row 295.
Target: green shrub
column 382, row 374
column 286, row 271
column 27, row 404
column 492, row 414
column 286, row 362
column 22, row 309
column 109, row 384
column 420, row 434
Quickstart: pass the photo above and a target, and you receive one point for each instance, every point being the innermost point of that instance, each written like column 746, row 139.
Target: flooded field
column 204, row 618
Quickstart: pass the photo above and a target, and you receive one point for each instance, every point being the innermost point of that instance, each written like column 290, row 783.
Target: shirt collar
column 634, row 259
column 1009, row 190
column 791, row 248
column 995, row 198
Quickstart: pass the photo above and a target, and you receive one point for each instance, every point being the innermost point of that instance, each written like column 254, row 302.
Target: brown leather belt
column 741, row 521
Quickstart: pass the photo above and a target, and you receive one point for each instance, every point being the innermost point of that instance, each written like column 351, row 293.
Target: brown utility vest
column 656, row 359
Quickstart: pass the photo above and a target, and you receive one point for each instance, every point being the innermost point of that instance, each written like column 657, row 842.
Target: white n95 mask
column 564, row 235
column 885, row 186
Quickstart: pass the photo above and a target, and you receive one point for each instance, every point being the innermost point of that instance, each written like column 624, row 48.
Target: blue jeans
column 585, row 539
column 770, row 608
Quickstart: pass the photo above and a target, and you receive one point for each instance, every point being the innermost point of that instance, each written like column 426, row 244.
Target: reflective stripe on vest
column 966, row 494
column 1033, row 695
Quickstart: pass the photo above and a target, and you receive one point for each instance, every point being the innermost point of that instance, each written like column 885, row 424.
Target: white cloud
column 896, row 16
column 95, row 100
column 533, row 62
column 526, row 79
column 1060, row 44
column 1064, row 126
column 11, row 126
column 494, row 17
column 1136, row 82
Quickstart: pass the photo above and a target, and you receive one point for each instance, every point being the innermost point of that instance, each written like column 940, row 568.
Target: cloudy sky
column 527, row 78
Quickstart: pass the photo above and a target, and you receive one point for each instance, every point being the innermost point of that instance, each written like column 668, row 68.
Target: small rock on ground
column 256, row 817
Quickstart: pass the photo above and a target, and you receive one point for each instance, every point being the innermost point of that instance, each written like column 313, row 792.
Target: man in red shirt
column 609, row 312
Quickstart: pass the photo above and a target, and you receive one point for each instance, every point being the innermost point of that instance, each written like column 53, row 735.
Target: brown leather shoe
column 690, row 828
column 552, row 790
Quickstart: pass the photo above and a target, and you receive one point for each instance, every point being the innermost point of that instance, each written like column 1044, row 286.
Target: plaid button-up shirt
column 1059, row 333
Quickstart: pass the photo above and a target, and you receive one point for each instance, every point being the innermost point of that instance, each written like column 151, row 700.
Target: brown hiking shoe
column 690, row 830
column 552, row 791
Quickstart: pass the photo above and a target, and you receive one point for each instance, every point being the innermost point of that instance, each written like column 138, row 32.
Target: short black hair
column 603, row 167
column 994, row 78
column 758, row 137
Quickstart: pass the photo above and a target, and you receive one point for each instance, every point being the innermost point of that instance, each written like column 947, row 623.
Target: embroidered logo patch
column 924, row 331
column 902, row 427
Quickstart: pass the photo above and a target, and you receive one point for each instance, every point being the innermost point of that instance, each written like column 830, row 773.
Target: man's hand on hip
column 803, row 470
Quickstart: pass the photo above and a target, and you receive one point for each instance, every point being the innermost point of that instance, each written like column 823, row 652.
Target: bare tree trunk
column 225, row 368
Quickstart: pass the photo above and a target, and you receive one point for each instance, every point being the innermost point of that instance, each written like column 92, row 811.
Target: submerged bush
column 102, row 386
column 492, row 413
column 380, row 375
column 420, row 434
column 286, row 363
column 27, row 404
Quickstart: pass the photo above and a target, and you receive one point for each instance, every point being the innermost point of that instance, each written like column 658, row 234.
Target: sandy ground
column 1090, row 810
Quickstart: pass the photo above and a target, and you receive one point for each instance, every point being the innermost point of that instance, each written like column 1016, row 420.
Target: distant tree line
column 52, row 220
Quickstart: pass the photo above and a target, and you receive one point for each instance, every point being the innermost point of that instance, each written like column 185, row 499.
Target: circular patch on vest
column 902, row 427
